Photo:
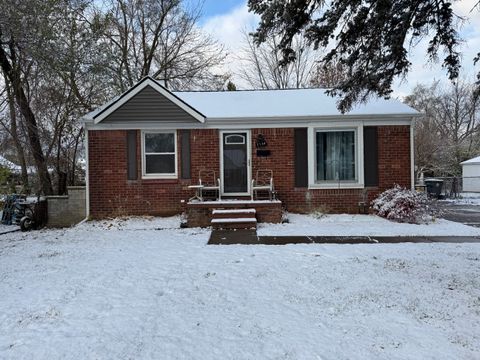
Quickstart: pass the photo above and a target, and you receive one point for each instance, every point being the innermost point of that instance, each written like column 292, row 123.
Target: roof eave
column 320, row 117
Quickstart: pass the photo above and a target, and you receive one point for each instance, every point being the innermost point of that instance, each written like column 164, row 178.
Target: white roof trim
column 473, row 161
column 139, row 87
column 252, row 123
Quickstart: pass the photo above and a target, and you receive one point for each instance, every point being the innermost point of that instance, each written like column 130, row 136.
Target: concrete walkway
column 250, row 237
column 462, row 213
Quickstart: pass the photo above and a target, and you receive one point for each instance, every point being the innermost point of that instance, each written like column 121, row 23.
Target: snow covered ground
column 123, row 290
column 465, row 198
column 362, row 225
column 8, row 228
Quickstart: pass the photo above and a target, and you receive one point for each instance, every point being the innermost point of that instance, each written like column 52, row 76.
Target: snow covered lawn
column 7, row 228
column 465, row 198
column 122, row 290
column 362, row 225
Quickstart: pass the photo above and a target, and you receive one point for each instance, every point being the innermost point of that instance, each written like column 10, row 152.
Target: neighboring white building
column 471, row 175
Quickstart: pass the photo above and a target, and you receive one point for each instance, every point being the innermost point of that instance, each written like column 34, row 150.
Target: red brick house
column 147, row 146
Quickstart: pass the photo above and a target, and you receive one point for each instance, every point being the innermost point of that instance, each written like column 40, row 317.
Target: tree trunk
column 15, row 137
column 60, row 173
column 32, row 128
column 74, row 159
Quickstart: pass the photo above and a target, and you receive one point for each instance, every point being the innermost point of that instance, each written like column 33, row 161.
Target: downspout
column 87, row 176
column 412, row 154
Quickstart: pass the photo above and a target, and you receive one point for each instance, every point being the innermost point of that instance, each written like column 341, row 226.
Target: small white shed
column 471, row 175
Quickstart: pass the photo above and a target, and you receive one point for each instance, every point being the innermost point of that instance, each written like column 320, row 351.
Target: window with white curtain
column 335, row 156
column 160, row 154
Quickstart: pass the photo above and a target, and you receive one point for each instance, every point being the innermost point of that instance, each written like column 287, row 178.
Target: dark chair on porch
column 263, row 182
column 210, row 183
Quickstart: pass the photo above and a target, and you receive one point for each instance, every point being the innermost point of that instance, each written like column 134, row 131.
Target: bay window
column 159, row 154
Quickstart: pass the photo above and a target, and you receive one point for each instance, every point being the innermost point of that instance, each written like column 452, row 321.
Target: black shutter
column 185, row 151
column 370, row 152
column 132, row 154
column 301, row 157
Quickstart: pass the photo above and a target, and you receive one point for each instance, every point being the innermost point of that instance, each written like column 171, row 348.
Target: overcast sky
column 225, row 19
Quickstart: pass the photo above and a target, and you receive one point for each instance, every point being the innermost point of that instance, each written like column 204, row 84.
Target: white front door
column 235, row 162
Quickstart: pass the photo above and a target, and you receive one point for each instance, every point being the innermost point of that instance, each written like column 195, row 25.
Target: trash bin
column 434, row 187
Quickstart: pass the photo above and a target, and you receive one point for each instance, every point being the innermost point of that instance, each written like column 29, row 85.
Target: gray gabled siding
column 149, row 105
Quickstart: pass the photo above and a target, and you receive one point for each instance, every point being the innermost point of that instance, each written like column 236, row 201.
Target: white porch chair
column 263, row 182
column 210, row 182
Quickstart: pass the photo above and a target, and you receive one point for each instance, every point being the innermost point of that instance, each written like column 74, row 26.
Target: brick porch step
column 201, row 213
column 233, row 213
column 235, row 223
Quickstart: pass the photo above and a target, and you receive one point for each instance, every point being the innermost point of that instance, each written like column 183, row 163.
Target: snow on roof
column 272, row 103
column 283, row 103
column 473, row 161
column 8, row 164
column 92, row 114
column 17, row 169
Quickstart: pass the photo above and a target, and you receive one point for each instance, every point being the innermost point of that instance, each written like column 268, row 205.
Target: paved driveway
column 462, row 213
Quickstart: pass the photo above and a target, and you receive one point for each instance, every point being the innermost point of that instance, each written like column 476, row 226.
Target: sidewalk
column 250, row 237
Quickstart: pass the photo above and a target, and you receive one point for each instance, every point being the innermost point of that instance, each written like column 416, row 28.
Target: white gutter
column 252, row 123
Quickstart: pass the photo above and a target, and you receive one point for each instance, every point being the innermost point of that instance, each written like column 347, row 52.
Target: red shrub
column 403, row 205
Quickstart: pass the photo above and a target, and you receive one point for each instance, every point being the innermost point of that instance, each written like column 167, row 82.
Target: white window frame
column 359, row 183
column 144, row 155
column 234, row 143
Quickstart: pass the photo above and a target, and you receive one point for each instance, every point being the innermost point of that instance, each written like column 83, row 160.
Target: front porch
column 233, row 213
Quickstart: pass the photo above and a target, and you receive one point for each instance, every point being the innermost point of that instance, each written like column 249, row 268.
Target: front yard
column 145, row 289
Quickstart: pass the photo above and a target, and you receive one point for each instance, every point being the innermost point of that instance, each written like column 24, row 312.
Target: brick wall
column 393, row 163
column 111, row 194
column 394, row 156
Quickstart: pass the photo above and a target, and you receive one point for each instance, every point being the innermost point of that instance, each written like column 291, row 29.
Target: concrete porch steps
column 201, row 213
column 234, row 219
column 233, row 213
column 239, row 223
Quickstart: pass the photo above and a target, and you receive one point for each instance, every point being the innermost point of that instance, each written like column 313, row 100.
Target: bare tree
column 449, row 133
column 14, row 47
column 15, row 134
column 159, row 38
column 50, row 62
column 328, row 75
column 261, row 67
column 61, row 59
